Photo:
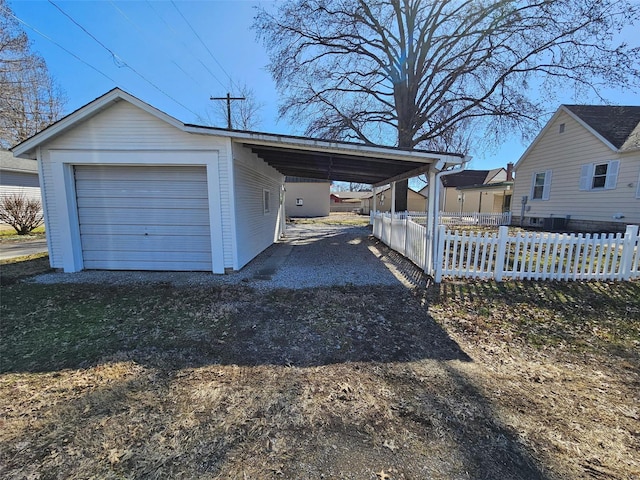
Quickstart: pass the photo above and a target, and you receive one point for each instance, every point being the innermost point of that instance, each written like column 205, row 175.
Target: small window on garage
column 266, row 201
column 299, row 202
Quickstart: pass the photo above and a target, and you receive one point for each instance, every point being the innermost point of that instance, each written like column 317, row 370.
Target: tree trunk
column 405, row 140
column 402, row 195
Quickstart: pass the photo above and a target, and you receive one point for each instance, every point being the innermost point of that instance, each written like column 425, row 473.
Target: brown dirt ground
column 467, row 380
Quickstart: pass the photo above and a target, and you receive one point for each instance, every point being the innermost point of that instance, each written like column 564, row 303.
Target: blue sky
column 181, row 71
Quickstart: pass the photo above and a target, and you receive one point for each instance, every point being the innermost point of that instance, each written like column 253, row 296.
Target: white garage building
column 127, row 187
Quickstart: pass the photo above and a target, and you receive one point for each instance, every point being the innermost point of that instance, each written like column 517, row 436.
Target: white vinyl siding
column 144, row 217
column 255, row 228
column 540, row 185
column 599, row 175
column 125, row 127
column 566, row 154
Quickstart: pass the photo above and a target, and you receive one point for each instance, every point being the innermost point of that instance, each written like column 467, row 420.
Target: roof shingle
column 614, row 123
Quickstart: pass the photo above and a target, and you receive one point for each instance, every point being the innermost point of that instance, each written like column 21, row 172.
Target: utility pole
column 228, row 98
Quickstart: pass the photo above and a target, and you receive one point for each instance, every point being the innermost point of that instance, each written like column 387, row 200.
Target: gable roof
column 465, row 178
column 618, row 127
column 614, row 123
column 23, row 165
column 290, row 155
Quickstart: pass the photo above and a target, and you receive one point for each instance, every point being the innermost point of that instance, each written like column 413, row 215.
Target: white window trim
column 545, row 189
column 266, row 201
column 587, row 173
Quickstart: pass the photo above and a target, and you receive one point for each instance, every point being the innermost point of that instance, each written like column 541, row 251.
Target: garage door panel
column 122, row 173
column 141, row 190
column 144, row 218
column 159, row 202
column 114, row 256
column 158, row 265
column 166, row 230
column 143, row 243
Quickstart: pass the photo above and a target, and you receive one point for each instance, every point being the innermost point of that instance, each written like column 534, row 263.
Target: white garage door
column 143, row 218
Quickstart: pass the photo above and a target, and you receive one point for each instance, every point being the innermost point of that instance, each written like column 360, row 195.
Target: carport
column 350, row 162
column 128, row 187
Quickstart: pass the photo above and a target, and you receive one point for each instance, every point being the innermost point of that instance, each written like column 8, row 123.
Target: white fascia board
column 27, row 148
column 298, row 143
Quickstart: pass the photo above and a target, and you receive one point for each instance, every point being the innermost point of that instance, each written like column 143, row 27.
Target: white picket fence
column 480, row 219
column 524, row 255
column 403, row 235
column 453, row 218
column 538, row 255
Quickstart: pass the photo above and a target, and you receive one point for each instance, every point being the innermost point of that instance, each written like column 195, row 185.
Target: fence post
column 503, row 236
column 406, row 233
column 630, row 239
column 439, row 253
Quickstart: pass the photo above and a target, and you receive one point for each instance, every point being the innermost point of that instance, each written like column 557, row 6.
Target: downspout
column 436, row 219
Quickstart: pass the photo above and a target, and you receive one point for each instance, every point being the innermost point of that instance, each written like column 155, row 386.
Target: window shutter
column 612, row 175
column 585, row 176
column 638, row 188
column 533, row 185
column 547, row 185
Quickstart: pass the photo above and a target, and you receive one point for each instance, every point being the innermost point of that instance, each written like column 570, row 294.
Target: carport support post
column 372, row 208
column 393, row 199
column 431, row 227
column 393, row 212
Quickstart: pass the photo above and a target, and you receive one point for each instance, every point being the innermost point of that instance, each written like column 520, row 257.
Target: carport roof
column 290, row 155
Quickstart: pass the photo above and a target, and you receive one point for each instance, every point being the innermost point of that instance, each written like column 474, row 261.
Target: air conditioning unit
column 553, row 224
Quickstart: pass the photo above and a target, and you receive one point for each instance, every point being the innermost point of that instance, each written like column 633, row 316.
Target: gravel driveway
column 311, row 255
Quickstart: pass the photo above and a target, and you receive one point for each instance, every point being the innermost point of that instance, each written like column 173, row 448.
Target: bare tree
column 245, row 114
column 438, row 73
column 29, row 98
column 22, row 213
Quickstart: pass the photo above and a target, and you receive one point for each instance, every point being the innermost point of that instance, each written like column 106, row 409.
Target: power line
column 31, row 27
column 203, row 44
column 185, row 46
column 117, row 59
column 146, row 37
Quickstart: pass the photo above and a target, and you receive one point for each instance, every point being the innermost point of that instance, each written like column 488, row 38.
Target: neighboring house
column 128, row 187
column 582, row 172
column 306, row 197
column 18, row 176
column 346, row 201
column 477, row 191
column 416, row 201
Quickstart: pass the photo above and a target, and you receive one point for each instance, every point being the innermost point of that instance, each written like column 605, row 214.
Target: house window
column 561, row 129
column 597, row 176
column 266, row 201
column 299, row 202
column 540, row 185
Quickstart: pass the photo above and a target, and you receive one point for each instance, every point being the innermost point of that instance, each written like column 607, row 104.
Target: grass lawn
column 335, row 219
column 466, row 380
column 7, row 232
